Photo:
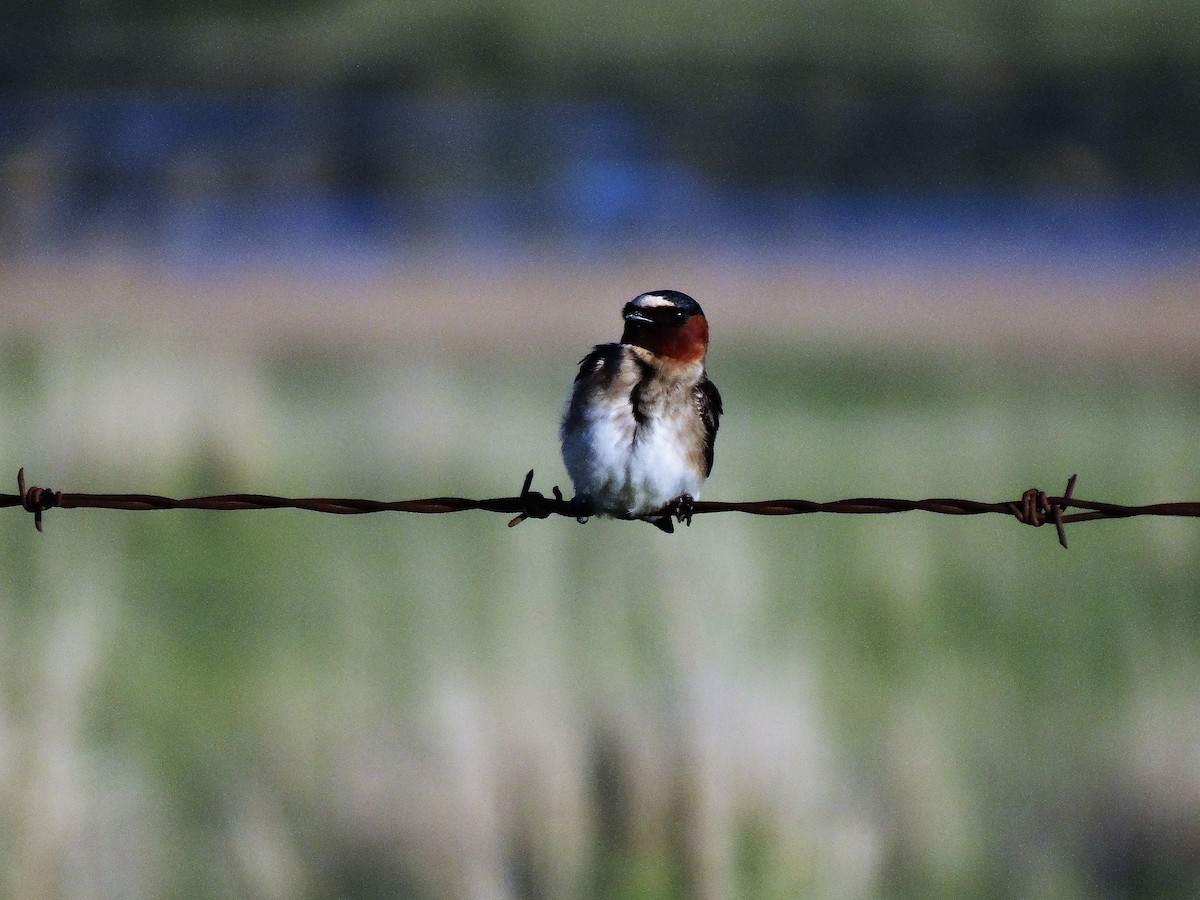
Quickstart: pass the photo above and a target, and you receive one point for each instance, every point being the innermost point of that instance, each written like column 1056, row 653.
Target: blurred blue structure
column 194, row 178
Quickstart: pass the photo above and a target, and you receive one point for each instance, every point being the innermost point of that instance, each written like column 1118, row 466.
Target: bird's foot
column 682, row 508
column 581, row 507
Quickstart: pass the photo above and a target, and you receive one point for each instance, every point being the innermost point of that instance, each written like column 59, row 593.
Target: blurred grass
column 290, row 704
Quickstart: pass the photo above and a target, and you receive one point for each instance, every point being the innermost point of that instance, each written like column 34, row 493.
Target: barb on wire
column 1035, row 507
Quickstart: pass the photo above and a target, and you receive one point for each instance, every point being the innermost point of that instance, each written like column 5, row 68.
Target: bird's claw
column 682, row 508
column 581, row 507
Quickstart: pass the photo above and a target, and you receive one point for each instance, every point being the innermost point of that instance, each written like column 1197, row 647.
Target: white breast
column 630, row 468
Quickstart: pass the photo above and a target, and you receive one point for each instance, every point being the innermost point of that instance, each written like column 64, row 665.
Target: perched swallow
column 641, row 421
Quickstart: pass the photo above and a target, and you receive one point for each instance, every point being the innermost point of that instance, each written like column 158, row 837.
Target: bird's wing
column 708, row 401
column 596, row 372
column 601, row 363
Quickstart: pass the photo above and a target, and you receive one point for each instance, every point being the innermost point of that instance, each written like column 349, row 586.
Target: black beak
column 636, row 315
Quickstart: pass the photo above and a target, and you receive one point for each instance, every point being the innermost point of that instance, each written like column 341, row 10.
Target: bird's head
column 667, row 323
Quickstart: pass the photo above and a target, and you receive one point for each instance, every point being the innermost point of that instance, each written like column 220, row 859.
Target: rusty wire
column 1035, row 507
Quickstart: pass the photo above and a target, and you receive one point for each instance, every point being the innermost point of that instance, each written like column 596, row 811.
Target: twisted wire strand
column 1034, row 508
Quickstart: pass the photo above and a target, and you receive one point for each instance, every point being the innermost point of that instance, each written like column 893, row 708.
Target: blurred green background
column 357, row 249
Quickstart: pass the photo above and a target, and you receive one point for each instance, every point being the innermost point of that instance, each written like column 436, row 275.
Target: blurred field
column 283, row 704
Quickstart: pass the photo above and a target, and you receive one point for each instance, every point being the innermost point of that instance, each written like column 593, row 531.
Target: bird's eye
column 676, row 317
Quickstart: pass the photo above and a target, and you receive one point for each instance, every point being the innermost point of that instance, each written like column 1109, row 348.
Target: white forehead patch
column 652, row 300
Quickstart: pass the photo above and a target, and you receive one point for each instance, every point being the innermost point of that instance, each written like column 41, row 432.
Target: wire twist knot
column 534, row 504
column 35, row 499
column 1037, row 508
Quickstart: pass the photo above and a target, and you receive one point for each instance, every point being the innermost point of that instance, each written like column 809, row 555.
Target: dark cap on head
column 662, row 308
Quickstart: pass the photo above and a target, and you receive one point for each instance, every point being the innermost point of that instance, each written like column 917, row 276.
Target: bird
column 641, row 420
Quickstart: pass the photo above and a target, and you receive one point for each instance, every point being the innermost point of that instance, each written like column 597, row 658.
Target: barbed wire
column 1035, row 507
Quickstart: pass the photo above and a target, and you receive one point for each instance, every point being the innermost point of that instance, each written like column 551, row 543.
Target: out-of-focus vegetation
column 931, row 94
column 289, row 704
column 504, row 40
column 288, row 129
